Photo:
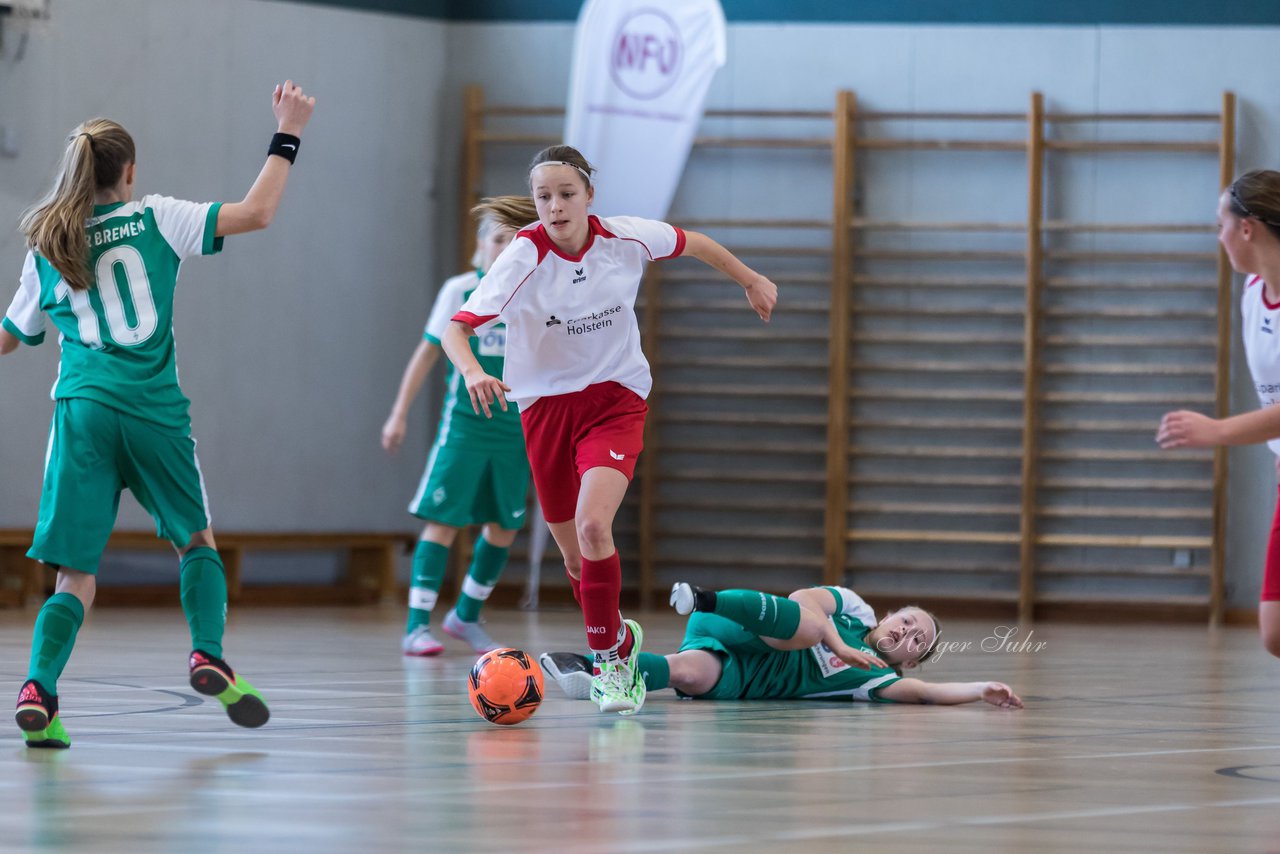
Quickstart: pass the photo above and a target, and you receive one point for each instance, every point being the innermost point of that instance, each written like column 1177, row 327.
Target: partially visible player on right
column 1249, row 231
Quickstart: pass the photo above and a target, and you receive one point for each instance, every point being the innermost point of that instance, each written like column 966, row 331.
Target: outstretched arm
column 420, row 364
column 951, row 693
column 292, row 110
column 1186, row 429
column 761, row 293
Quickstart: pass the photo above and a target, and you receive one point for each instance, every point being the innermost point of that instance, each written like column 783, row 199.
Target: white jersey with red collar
column 571, row 321
column 1260, row 329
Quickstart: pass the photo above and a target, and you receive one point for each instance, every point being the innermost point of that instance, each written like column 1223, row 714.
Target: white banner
column 641, row 69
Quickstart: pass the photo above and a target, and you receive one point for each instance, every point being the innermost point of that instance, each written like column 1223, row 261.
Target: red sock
column 577, row 588
column 600, row 589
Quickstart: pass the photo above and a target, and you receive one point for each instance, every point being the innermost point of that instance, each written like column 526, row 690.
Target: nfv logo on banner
column 641, row 69
column 647, row 52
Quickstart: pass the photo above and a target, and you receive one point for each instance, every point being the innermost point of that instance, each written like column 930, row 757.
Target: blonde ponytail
column 97, row 153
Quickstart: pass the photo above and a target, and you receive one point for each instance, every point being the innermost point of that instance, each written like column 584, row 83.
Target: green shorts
column 738, row 650
column 94, row 453
column 461, row 488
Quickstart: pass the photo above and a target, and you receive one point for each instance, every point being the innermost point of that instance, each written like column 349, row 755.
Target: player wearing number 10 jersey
column 103, row 268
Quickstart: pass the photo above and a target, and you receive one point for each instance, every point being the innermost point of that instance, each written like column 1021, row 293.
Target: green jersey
column 117, row 336
column 459, row 423
column 755, row 671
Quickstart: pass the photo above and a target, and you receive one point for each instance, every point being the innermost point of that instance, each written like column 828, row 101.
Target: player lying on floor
column 820, row 643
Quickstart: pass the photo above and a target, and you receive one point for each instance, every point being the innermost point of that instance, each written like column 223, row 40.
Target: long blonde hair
column 96, row 156
column 514, row 212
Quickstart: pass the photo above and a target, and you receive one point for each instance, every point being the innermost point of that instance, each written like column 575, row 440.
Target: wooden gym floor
column 1135, row 738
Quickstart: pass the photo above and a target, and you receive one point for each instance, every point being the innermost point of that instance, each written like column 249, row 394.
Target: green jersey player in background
column 477, row 472
column 103, row 268
column 821, row 643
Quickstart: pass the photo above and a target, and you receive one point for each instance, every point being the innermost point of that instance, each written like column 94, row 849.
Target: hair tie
column 84, row 133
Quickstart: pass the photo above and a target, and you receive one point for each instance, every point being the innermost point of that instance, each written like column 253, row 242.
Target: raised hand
column 292, row 108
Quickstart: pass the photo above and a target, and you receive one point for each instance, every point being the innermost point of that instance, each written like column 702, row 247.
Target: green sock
column 430, row 560
column 486, row 566
column 59, row 620
column 655, row 670
column 761, row 614
column 204, row 598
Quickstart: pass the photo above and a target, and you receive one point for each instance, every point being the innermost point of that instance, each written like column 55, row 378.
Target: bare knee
column 573, row 566
column 595, row 536
column 1271, row 639
column 81, row 585
column 498, row 537
column 200, row 539
column 694, row 672
column 1269, row 627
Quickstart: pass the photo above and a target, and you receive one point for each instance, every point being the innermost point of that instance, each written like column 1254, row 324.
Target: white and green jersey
column 459, row 422
column 817, row 673
column 117, row 336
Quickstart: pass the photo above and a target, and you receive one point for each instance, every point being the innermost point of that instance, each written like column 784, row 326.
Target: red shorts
column 567, row 434
column 1271, row 575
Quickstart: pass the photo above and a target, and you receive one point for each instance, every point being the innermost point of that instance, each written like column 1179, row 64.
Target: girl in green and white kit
column 477, row 472
column 103, row 268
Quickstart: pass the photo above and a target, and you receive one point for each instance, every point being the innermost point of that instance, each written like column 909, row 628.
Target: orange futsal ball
column 505, row 686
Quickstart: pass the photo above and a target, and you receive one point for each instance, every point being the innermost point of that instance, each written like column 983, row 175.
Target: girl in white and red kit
column 566, row 290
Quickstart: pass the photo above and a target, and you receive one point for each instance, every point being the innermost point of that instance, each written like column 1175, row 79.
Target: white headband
column 581, row 171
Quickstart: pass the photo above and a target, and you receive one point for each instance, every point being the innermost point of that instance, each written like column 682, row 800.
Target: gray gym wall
column 291, row 343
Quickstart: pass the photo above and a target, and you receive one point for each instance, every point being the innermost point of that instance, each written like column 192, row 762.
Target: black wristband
column 284, row 145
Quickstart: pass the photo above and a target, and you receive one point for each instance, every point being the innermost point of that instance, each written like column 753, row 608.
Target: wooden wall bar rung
column 883, row 423
column 744, row 334
column 904, row 366
column 704, row 277
column 1131, row 483
column 902, row 225
column 1123, row 570
column 917, row 536
column 1108, row 455
column 935, row 282
column 934, row 452
column 730, row 446
column 758, row 363
column 790, row 562
column 1129, row 257
column 938, row 255
column 898, row 115
column 740, row 476
column 737, row 419
column 1112, row 369
column 880, row 144
column 722, row 222
column 952, row 566
column 896, row 337
column 1125, row 284
column 754, row 532
column 1133, row 117
column 730, row 502
column 1184, row 341
column 723, row 390
column 949, row 311
column 1129, row 227
column 1160, row 398
column 1130, row 146
column 938, row 480
column 925, row 508
column 1124, row 542
column 1125, row 511
column 985, row 395
column 1133, row 313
